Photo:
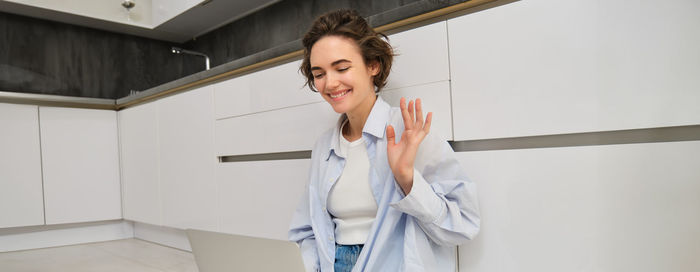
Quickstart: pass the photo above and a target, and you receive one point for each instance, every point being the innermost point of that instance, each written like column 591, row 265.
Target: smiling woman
column 374, row 204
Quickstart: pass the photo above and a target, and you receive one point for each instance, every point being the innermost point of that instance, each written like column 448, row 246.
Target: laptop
column 218, row 252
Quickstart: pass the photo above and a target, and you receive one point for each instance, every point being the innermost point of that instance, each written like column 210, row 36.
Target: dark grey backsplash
column 38, row 56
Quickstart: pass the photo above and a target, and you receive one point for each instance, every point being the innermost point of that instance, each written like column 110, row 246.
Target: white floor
column 121, row 255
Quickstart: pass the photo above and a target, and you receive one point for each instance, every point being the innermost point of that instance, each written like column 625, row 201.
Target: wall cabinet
column 80, row 159
column 21, row 192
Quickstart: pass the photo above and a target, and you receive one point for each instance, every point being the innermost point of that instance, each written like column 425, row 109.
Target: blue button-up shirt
column 414, row 232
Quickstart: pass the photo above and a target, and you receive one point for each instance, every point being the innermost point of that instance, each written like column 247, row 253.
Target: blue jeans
column 346, row 256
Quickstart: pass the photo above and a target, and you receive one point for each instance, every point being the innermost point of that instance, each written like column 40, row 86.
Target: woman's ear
column 373, row 68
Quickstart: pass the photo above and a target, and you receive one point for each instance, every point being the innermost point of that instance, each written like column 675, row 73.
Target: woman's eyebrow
column 339, row 61
column 332, row 64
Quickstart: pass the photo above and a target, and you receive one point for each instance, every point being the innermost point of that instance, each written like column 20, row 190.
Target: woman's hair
column 349, row 24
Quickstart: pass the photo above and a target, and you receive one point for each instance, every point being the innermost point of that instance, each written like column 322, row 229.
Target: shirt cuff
column 421, row 202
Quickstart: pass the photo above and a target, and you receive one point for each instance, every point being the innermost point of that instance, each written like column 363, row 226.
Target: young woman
column 384, row 194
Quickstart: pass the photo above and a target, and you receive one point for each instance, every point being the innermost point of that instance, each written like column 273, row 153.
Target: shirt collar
column 375, row 125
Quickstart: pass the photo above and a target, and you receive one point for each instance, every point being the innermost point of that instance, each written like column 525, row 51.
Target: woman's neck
column 357, row 119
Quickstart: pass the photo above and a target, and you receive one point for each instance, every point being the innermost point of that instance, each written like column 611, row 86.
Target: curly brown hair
column 349, row 23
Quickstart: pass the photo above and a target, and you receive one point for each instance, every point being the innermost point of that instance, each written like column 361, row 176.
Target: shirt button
column 330, row 238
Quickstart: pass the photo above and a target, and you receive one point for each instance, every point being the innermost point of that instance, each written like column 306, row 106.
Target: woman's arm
column 300, row 231
column 443, row 200
column 437, row 192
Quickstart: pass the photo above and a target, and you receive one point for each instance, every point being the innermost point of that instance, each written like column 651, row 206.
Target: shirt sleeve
column 442, row 199
column 300, row 231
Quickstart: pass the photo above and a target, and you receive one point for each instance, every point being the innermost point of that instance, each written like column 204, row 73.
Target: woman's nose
column 332, row 81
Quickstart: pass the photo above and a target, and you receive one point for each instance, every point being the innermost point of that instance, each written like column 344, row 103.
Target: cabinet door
column 276, row 87
column 138, row 136
column 259, row 198
column 283, row 130
column 21, row 196
column 421, row 56
column 80, row 165
column 187, row 160
column 630, row 207
column 551, row 67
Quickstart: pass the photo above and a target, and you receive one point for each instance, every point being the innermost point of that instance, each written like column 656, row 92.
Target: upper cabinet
column 80, row 165
column 549, row 67
column 21, row 196
column 422, row 56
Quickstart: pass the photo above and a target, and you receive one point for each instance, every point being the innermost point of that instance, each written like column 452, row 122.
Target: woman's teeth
column 339, row 95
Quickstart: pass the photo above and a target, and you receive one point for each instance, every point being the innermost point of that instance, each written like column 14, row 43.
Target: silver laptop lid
column 218, row 252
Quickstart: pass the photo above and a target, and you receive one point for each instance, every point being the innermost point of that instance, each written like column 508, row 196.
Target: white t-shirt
column 350, row 201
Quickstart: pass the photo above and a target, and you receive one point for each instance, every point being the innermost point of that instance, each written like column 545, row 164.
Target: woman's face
column 340, row 73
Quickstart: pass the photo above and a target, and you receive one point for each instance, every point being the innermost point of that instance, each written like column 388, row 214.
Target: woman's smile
column 337, row 96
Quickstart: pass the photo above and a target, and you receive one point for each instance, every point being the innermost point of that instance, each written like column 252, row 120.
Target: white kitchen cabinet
column 631, row 207
column 258, row 198
column 21, row 192
column 186, row 160
column 289, row 129
column 80, row 159
column 542, row 67
column 276, row 87
column 422, row 56
column 138, row 135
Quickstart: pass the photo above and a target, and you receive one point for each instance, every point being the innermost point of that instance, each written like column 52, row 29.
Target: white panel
column 632, row 207
column 259, row 198
column 279, row 87
column 290, row 129
column 422, row 56
column 80, row 157
column 187, row 185
column 138, row 130
column 273, row 88
column 547, row 67
column 171, row 237
column 232, row 97
column 164, row 10
column 107, row 10
column 21, row 195
column 26, row 238
column 435, row 98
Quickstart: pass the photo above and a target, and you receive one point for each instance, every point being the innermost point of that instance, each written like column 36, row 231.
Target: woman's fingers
column 411, row 112
column 419, row 113
column 413, row 115
column 407, row 120
column 390, row 136
column 428, row 122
